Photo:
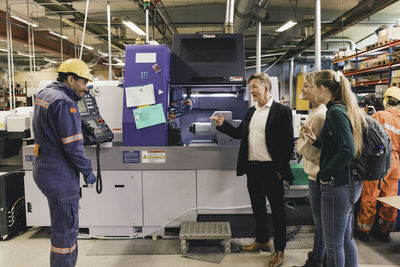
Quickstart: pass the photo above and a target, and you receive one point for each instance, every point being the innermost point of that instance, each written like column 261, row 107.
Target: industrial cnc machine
column 172, row 165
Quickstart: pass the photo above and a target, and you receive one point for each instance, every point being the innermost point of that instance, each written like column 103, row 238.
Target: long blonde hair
column 341, row 93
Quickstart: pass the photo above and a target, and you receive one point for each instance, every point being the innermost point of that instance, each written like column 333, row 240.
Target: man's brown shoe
column 276, row 259
column 257, row 246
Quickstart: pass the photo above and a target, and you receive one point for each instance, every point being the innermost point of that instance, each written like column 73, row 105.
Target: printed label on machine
column 236, row 78
column 152, row 156
column 131, row 156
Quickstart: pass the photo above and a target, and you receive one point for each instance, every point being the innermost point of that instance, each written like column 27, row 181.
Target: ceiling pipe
column 84, row 29
column 247, row 12
column 243, row 13
column 109, row 40
column 9, row 53
column 341, row 40
column 230, row 10
column 317, row 44
column 258, row 48
column 291, row 85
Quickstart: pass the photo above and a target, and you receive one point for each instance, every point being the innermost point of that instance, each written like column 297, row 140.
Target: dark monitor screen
column 208, row 50
column 82, row 106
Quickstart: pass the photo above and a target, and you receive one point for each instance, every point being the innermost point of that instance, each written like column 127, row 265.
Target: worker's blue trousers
column 64, row 231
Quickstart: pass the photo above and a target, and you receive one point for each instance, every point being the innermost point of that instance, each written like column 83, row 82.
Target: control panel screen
column 82, row 106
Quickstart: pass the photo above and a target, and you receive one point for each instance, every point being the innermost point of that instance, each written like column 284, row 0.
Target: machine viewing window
column 208, row 50
column 82, row 106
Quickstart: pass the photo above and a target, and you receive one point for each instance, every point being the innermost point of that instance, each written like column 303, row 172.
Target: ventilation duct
column 247, row 12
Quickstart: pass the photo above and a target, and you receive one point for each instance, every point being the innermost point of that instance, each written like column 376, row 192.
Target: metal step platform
column 205, row 231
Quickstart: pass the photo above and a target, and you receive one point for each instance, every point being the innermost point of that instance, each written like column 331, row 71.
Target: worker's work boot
column 381, row 236
column 310, row 262
column 257, row 246
column 363, row 236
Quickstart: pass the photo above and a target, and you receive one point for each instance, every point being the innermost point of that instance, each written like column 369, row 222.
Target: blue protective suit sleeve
column 68, row 125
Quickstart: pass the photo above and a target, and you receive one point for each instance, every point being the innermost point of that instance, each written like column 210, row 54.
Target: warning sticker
column 152, row 156
column 236, row 78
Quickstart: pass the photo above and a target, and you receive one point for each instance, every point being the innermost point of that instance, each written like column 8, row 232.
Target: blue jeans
column 315, row 199
column 337, row 223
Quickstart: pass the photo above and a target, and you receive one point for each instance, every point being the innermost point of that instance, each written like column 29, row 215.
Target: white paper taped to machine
column 140, row 95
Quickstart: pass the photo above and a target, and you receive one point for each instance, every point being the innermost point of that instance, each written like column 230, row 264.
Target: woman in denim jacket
column 340, row 140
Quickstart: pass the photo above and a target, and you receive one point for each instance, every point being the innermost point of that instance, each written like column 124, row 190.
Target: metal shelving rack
column 380, row 69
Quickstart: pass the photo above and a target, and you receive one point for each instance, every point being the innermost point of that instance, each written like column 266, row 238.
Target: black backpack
column 376, row 156
column 374, row 162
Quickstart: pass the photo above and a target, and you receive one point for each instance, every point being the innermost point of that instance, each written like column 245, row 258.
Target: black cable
column 297, row 227
column 99, row 183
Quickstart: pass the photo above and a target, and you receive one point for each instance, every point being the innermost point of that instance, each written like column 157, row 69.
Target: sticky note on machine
column 139, row 95
column 149, row 116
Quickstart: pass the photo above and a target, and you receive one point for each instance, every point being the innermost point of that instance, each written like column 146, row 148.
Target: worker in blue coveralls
column 60, row 157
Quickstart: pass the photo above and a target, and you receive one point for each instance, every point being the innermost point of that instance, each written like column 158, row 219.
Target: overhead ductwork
column 230, row 9
column 351, row 43
column 247, row 12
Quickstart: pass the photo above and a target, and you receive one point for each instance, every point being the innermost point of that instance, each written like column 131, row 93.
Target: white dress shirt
column 257, row 145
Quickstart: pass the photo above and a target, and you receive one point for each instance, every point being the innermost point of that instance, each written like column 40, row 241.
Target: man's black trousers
column 262, row 181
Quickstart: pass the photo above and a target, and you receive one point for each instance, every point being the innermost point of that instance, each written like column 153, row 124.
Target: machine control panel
column 95, row 130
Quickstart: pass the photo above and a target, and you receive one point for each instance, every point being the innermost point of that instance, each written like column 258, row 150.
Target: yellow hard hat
column 76, row 66
column 392, row 92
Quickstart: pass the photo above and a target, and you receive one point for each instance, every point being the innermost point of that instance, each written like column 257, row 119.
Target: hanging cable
column 180, row 107
column 99, row 183
column 84, row 30
column 297, row 228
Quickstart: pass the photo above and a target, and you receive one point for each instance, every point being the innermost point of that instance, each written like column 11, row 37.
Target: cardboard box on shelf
column 342, row 54
column 395, row 73
column 389, row 33
column 363, row 65
column 395, row 81
column 372, row 63
column 351, row 65
column 382, row 59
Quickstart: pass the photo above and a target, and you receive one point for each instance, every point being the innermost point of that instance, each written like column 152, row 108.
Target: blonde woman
column 340, row 140
column 311, row 155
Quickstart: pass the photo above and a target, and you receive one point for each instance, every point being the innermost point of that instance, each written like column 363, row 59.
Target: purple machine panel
column 141, row 70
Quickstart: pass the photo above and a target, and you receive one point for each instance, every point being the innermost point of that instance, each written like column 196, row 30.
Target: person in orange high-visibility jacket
column 60, row 157
column 390, row 120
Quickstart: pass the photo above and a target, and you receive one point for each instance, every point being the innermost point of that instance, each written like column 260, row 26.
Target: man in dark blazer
column 266, row 146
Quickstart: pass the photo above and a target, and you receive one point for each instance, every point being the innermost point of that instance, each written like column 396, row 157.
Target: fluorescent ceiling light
column 153, row 42
column 59, row 35
column 269, row 55
column 103, row 54
column 3, row 50
column 88, row 47
column 134, row 27
column 25, row 21
column 51, row 61
column 23, row 54
column 286, row 26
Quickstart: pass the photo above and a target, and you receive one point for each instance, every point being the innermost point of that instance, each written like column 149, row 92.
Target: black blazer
column 278, row 135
